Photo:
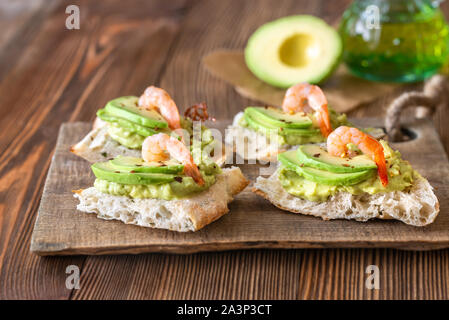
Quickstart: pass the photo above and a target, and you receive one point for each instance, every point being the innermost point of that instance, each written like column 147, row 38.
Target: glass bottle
column 394, row 40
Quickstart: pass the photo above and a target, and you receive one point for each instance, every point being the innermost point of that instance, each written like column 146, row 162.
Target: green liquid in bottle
column 405, row 46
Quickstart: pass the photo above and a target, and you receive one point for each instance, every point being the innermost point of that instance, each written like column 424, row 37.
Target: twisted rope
column 434, row 93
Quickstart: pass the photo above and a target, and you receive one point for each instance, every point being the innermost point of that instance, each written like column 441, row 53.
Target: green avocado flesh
column 126, row 124
column 106, row 171
column 125, row 137
column 278, row 118
column 289, row 135
column 292, row 50
column 127, row 108
column 290, row 160
column 133, row 184
column 313, row 184
column 139, row 165
column 129, row 125
column 317, row 157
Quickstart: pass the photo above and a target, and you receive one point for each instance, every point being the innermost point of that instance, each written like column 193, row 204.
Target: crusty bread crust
column 98, row 146
column 182, row 215
column 417, row 206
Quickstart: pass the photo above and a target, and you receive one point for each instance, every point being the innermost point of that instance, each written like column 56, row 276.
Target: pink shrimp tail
column 379, row 159
column 337, row 146
column 193, row 172
column 325, row 123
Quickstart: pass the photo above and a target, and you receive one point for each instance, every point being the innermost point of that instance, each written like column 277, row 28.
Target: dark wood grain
column 50, row 75
column 62, row 75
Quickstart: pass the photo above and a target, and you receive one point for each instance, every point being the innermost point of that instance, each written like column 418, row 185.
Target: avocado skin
column 138, row 165
column 263, row 114
column 253, row 63
column 290, row 161
column 104, row 171
column 310, row 160
column 263, row 126
column 124, row 123
column 125, row 107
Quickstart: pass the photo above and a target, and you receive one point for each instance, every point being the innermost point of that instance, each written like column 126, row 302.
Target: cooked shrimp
column 156, row 147
column 337, row 145
column 307, row 97
column 157, row 98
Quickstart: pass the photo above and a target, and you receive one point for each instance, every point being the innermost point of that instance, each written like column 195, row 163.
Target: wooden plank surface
column 251, row 223
column 50, row 75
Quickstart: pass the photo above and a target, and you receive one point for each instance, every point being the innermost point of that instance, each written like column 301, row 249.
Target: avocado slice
column 262, row 125
column 123, row 123
column 289, row 160
column 317, row 157
column 278, row 118
column 127, row 108
column 122, row 163
column 105, row 171
column 293, row 49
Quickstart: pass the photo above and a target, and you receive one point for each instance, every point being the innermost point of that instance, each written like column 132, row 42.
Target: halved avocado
column 289, row 160
column 262, row 125
column 105, row 171
column 278, row 118
column 123, row 123
column 139, row 165
column 293, row 49
column 316, row 157
column 127, row 108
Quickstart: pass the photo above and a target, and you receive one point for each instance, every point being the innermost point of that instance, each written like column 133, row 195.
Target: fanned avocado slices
column 123, row 123
column 278, row 118
column 290, row 160
column 257, row 122
column 317, row 157
column 127, row 108
column 106, row 171
column 139, row 165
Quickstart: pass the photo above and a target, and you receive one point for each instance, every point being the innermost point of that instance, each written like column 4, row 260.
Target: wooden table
column 50, row 75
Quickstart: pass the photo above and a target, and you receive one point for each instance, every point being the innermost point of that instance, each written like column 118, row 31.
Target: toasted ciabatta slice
column 256, row 146
column 98, row 146
column 190, row 214
column 417, row 206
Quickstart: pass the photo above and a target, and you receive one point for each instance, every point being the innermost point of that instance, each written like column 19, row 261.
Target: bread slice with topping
column 189, row 214
column 417, row 206
column 98, row 146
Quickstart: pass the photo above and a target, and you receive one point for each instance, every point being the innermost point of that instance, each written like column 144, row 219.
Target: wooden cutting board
column 251, row 223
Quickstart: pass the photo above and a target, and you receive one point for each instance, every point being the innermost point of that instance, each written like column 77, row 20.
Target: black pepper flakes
column 178, row 179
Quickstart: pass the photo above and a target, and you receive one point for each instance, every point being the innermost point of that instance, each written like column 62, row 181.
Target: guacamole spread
column 133, row 140
column 125, row 137
column 182, row 186
column 400, row 177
